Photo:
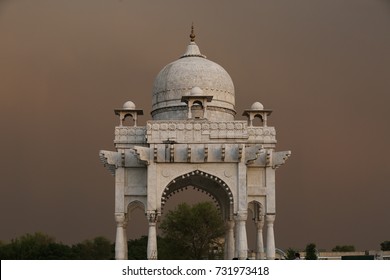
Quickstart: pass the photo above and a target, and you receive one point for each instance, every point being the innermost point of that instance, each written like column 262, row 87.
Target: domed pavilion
column 193, row 139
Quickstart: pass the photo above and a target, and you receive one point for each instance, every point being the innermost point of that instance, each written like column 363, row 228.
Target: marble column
column 152, row 236
column 270, row 219
column 241, row 238
column 125, row 235
column 229, row 240
column 120, row 242
column 189, row 115
column 259, row 239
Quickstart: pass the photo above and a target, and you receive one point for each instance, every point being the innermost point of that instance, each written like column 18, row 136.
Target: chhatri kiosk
column 193, row 139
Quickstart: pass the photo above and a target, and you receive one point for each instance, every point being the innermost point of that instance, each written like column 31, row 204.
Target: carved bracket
column 111, row 160
column 152, row 216
column 143, row 154
column 155, row 154
column 252, row 153
column 268, row 158
column 188, row 153
column 240, row 152
column 172, row 153
column 121, row 219
column 279, row 158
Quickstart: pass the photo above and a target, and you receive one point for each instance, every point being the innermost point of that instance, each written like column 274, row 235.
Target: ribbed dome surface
column 179, row 77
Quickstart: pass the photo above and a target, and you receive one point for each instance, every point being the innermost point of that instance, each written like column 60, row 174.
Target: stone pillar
column 236, row 245
column 152, row 236
column 120, row 242
column 270, row 219
column 250, row 120
column 241, row 239
column 205, row 108
column 259, row 239
column 229, row 240
column 189, row 114
column 125, row 234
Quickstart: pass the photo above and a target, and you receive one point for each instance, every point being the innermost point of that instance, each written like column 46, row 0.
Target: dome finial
column 192, row 35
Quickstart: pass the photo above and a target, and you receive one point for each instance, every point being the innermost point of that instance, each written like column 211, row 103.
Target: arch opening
column 128, row 120
column 218, row 191
column 136, row 214
column 258, row 120
column 197, row 110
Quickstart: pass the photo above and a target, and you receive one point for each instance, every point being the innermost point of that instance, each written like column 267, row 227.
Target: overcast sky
column 322, row 66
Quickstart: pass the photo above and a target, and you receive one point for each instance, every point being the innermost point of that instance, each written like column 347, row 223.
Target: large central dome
column 191, row 70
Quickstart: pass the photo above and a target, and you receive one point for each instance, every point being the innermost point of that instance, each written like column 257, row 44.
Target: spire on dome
column 192, row 48
column 192, row 35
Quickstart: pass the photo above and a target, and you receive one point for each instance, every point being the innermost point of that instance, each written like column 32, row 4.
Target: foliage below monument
column 100, row 248
column 344, row 248
column 193, row 232
column 137, row 248
column 385, row 246
column 291, row 254
column 39, row 246
column 311, row 252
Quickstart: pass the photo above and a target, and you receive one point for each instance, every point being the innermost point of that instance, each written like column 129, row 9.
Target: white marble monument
column 193, row 139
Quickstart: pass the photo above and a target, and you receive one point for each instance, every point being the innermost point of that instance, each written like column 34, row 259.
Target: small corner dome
column 196, row 91
column 257, row 106
column 129, row 105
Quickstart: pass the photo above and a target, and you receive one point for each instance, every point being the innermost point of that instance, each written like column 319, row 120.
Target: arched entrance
column 205, row 182
column 216, row 189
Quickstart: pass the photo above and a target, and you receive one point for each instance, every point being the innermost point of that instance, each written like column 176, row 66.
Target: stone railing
column 193, row 131
column 130, row 135
column 260, row 134
column 203, row 131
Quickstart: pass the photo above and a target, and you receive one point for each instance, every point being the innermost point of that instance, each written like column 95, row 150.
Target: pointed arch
column 135, row 204
column 257, row 209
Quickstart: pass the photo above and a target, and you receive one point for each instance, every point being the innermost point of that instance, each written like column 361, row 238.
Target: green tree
column 137, row 248
column 311, row 252
column 291, row 254
column 103, row 249
column 37, row 246
column 192, row 232
column 385, row 246
column 100, row 248
column 344, row 248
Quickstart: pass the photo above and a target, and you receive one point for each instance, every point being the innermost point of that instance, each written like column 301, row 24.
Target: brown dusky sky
column 322, row 66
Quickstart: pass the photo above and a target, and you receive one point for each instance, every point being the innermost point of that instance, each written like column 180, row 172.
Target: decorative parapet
column 204, row 131
column 264, row 135
column 130, row 135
